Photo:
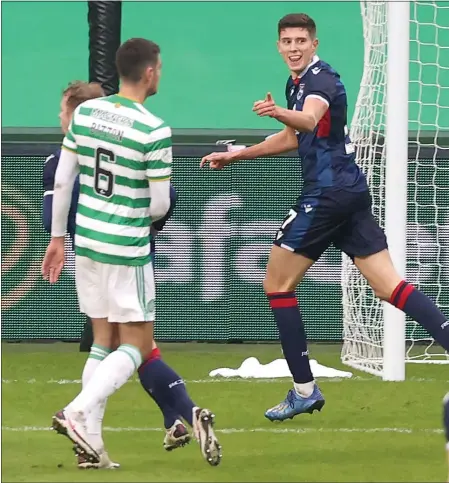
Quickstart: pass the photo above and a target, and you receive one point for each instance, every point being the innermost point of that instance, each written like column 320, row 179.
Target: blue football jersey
column 327, row 154
column 48, row 181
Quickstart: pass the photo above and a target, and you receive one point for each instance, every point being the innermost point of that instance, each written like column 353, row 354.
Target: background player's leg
column 147, row 378
column 379, row 271
column 167, row 386
column 87, row 336
column 202, row 419
column 285, row 270
column 176, row 432
column 168, row 390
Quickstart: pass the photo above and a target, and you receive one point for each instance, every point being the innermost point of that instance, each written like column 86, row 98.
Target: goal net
column 427, row 259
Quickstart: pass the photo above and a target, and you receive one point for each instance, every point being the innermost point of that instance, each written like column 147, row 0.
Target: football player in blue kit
column 159, row 380
column 334, row 207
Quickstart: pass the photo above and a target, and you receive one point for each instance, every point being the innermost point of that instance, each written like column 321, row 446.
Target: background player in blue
column 333, row 208
column 159, row 380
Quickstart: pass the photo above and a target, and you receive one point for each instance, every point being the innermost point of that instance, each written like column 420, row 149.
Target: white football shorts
column 120, row 293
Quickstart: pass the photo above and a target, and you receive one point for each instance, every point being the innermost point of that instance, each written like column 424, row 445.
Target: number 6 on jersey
column 103, row 179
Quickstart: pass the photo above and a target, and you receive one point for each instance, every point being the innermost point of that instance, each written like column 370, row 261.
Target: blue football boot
column 295, row 404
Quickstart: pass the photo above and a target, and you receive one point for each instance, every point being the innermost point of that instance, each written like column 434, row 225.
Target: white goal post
column 399, row 127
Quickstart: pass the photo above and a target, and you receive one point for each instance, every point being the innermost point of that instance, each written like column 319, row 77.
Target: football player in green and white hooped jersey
column 123, row 155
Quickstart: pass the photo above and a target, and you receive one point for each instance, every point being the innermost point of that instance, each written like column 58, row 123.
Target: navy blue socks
column 292, row 334
column 421, row 309
column 167, row 388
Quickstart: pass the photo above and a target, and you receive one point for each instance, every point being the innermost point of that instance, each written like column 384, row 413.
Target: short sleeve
column 323, row 85
column 158, row 154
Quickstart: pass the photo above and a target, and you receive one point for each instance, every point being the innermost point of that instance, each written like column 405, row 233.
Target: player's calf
column 380, row 273
column 168, row 391
column 167, row 388
column 284, row 271
column 94, row 419
column 423, row 310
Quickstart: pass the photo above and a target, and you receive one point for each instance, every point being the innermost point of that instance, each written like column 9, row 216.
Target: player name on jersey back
column 121, row 147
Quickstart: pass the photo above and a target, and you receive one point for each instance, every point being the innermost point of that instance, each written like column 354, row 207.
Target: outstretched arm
column 279, row 143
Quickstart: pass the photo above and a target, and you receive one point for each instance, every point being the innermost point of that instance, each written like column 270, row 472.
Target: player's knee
column 277, row 284
column 138, row 334
column 384, row 289
column 382, row 292
column 267, row 286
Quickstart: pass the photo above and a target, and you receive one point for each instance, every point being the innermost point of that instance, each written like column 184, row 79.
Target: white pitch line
column 224, row 380
column 24, row 429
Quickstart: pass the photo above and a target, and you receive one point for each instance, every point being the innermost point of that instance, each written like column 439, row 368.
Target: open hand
column 53, row 260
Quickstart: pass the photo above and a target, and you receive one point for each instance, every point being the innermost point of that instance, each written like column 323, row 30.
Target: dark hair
column 135, row 55
column 78, row 92
column 297, row 20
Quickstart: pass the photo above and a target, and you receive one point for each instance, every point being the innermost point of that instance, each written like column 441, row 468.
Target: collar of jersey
column 128, row 99
column 315, row 59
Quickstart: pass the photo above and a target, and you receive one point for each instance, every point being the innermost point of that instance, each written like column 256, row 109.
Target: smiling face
column 297, row 48
column 297, row 42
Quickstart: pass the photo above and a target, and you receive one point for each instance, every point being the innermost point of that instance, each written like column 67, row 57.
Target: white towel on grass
column 252, row 368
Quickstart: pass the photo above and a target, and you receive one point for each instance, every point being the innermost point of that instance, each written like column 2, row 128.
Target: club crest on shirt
column 300, row 91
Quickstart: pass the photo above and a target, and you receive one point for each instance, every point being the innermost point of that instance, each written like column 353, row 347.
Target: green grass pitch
column 369, row 430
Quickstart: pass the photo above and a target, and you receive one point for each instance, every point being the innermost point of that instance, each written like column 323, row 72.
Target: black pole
column 105, row 20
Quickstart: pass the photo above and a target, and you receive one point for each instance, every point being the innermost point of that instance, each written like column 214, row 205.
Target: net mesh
column 428, row 179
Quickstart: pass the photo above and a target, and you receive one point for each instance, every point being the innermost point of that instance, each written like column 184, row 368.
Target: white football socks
column 97, row 354
column 94, row 419
column 109, row 376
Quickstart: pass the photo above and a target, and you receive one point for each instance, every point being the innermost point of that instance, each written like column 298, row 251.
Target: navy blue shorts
column 334, row 217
